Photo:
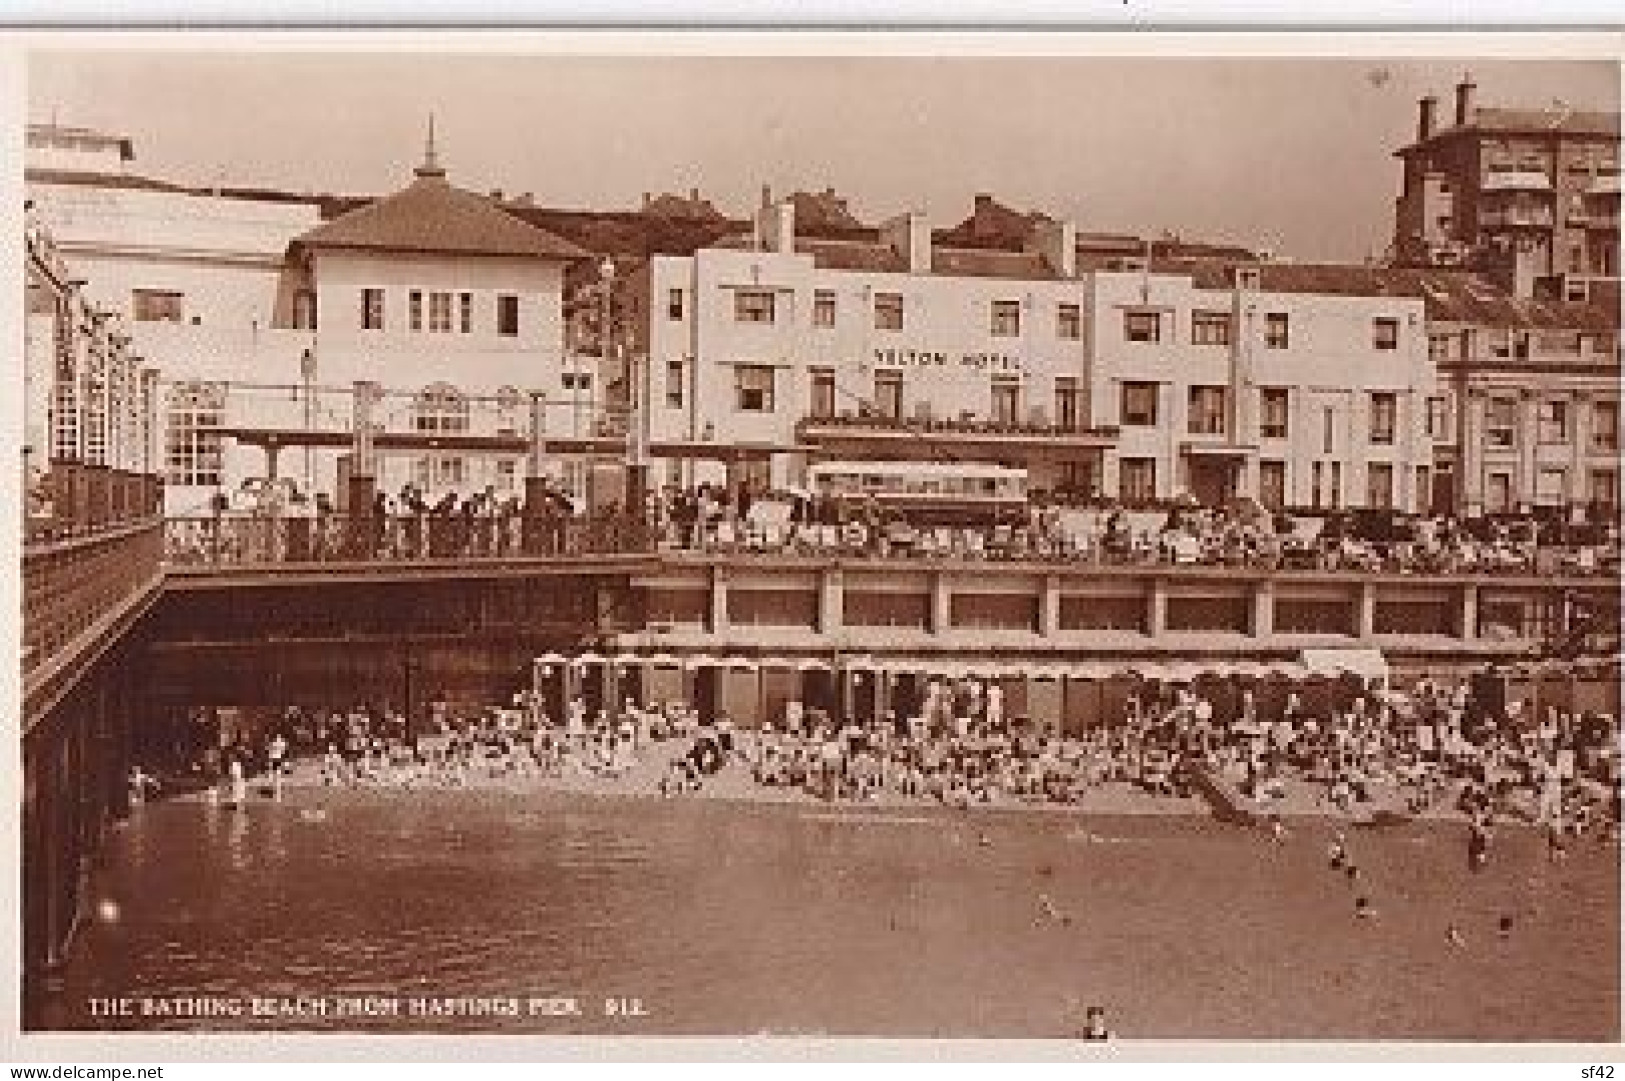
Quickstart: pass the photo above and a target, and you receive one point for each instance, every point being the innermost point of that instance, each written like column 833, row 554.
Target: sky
column 1293, row 155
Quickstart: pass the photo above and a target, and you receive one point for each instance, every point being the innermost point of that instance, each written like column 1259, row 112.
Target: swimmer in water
column 1352, row 873
column 239, row 785
column 1277, row 829
column 1453, row 935
column 1363, row 909
column 1094, row 1024
column 1338, row 853
column 1505, row 927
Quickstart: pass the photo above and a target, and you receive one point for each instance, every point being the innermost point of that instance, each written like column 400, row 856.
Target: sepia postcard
column 1094, row 544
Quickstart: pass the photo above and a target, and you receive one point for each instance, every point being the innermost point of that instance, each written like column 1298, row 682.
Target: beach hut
column 740, row 692
column 663, row 681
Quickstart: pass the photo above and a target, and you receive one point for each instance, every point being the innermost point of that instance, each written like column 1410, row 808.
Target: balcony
column 1526, row 178
column 1515, row 219
column 921, row 436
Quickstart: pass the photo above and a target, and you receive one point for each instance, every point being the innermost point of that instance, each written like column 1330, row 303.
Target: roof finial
column 431, row 159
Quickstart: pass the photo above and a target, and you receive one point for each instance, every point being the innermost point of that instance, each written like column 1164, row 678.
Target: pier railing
column 75, row 584
column 234, row 541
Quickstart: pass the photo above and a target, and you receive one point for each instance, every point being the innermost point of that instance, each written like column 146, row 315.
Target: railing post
column 1156, row 607
column 1263, row 621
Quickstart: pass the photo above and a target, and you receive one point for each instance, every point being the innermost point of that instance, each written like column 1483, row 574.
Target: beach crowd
column 1365, row 756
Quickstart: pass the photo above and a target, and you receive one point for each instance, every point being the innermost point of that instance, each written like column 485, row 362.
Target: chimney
column 776, row 226
column 1464, row 100
column 1057, row 242
column 1427, row 117
column 910, row 237
column 694, row 195
column 648, row 200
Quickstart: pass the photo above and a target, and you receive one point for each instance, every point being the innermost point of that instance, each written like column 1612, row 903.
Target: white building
column 263, row 317
column 1296, row 385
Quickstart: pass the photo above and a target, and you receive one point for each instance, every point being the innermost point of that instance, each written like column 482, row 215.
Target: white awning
column 1368, row 664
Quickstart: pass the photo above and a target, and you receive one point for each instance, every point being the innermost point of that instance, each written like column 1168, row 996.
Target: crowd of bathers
column 1356, row 753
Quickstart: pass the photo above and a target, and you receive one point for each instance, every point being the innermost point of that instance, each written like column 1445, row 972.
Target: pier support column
column 1365, row 624
column 1263, row 621
column 941, row 606
column 718, row 623
column 1467, row 613
column 1156, row 607
column 1049, row 607
column 831, row 600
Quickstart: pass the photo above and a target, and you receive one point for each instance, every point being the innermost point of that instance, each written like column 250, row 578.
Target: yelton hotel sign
column 936, row 358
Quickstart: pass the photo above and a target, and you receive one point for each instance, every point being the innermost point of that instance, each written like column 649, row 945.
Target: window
column 439, row 471
column 1006, row 318
column 576, row 380
column 1385, row 333
column 439, row 312
column 1317, row 480
column 1604, row 487
column 191, row 443
column 1210, row 328
column 1551, row 487
column 1379, row 486
column 1439, row 347
column 304, row 310
column 507, row 475
column 1207, row 409
column 1069, row 322
column 156, row 306
column 1605, row 425
column 1139, row 406
column 509, row 402
column 1384, row 406
column 1272, row 484
column 1438, row 418
column 1328, row 430
column 753, row 388
column 1067, row 414
column 1498, row 493
column 414, row 310
column 372, row 309
column 1277, row 331
column 508, row 316
column 753, row 305
column 823, row 393
column 1423, row 491
column 1553, row 421
column 1006, row 402
column 465, row 312
column 888, row 311
column 889, row 394
column 824, row 308
column 440, row 408
column 674, row 384
column 1501, row 423
column 1274, row 403
column 1137, row 480
column 1142, row 326
column 674, row 304
column 1335, row 499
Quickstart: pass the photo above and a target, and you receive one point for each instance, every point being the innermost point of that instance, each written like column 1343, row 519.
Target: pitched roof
column 430, row 215
column 1495, row 121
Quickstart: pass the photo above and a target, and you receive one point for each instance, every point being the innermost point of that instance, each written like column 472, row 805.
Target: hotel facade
column 1296, row 386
